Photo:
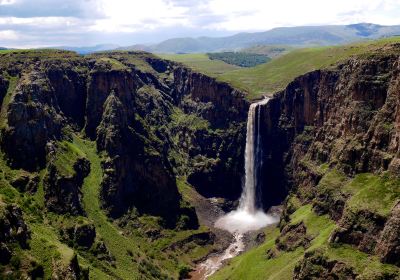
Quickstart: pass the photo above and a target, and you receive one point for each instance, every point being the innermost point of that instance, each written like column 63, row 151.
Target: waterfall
column 249, row 215
column 252, row 159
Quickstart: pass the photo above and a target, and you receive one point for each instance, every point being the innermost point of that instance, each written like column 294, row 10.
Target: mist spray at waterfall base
column 241, row 221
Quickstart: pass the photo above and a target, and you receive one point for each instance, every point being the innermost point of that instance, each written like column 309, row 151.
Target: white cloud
column 248, row 15
column 261, row 14
column 42, row 21
column 131, row 16
column 10, row 35
column 7, row 2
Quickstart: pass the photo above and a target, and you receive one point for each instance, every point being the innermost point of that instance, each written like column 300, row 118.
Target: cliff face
column 345, row 117
column 33, row 118
column 331, row 141
column 112, row 134
column 127, row 105
column 3, row 88
column 216, row 152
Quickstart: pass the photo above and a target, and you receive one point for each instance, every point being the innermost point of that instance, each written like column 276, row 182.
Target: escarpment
column 331, row 144
column 137, row 114
column 345, row 117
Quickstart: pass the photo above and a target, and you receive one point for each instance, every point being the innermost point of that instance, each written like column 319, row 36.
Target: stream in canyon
column 249, row 215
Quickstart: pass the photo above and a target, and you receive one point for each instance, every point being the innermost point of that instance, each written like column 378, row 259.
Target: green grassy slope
column 202, row 63
column 268, row 78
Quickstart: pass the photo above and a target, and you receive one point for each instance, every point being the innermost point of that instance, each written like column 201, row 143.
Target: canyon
column 119, row 164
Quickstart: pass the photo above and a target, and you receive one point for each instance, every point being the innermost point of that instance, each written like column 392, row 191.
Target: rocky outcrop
column 3, row 89
column 293, row 236
column 25, row 182
column 100, row 250
column 388, row 247
column 62, row 192
column 13, row 229
column 79, row 235
column 222, row 104
column 73, row 271
column 315, row 265
column 360, row 229
column 136, row 173
column 100, row 84
column 33, row 119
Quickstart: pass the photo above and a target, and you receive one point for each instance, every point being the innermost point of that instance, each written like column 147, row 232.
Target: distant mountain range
column 302, row 36
column 91, row 49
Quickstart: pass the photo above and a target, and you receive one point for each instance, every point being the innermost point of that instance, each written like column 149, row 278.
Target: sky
column 41, row 23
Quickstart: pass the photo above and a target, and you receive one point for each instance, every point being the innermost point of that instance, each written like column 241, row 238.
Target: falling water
column 249, row 216
column 253, row 159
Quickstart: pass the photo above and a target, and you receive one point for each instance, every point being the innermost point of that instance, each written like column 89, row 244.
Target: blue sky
column 39, row 23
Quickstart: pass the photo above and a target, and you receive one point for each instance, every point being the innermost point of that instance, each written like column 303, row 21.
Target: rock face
column 150, row 187
column 344, row 116
column 101, row 83
column 13, row 229
column 82, row 235
column 217, row 157
column 388, row 247
column 3, row 89
column 69, row 87
column 63, row 192
column 225, row 104
column 128, row 108
column 316, row 266
column 33, row 119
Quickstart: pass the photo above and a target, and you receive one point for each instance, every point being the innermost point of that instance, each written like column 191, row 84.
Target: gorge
column 117, row 165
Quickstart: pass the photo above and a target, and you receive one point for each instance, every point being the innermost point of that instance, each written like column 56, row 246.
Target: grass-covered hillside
column 202, row 63
column 268, row 78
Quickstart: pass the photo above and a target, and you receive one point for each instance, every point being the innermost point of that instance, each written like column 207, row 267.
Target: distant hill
column 303, row 36
column 90, row 49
